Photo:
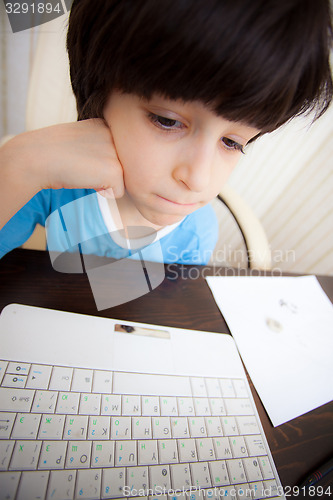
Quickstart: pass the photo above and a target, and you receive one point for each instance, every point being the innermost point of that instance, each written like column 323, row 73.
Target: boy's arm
column 71, row 155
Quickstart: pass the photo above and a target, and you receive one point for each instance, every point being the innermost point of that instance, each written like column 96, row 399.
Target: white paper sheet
column 283, row 328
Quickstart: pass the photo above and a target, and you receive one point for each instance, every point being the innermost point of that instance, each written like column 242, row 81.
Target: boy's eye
column 164, row 122
column 232, row 145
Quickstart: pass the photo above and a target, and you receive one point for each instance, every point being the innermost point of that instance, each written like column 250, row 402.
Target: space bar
column 151, row 385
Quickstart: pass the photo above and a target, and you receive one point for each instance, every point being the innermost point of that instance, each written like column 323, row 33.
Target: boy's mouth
column 177, row 203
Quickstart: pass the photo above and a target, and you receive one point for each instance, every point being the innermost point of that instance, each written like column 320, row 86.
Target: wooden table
column 182, row 300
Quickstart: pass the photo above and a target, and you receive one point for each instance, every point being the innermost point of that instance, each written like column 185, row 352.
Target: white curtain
column 16, row 55
column 287, row 178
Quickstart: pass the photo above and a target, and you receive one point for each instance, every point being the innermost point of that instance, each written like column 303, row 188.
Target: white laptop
column 95, row 408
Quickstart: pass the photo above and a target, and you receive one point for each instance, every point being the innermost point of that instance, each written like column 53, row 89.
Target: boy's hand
column 75, row 155
column 71, row 155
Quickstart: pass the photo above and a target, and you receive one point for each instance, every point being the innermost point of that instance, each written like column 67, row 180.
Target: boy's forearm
column 18, row 183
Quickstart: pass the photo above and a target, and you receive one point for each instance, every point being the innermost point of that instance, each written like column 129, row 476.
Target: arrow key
column 6, row 424
column 39, row 377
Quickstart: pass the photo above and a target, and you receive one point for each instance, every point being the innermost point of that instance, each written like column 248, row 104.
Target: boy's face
column 176, row 156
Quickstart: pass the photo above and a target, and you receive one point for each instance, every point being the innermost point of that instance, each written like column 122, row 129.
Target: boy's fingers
column 107, row 193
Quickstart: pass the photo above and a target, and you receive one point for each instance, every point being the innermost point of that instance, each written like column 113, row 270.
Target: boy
column 168, row 96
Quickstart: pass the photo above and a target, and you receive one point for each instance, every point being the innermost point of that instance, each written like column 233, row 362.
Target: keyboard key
column 222, row 448
column 137, row 480
column 90, row 404
column 39, row 377
column 25, row 455
column 26, row 426
column 248, row 425
column 126, row 453
column 241, row 406
column 147, row 452
column 265, row 466
column 180, row 476
column 44, row 402
column 252, row 469
column 219, row 474
column 201, row 407
column 121, row 427
column 240, row 388
column 14, row 380
column 200, row 475
column 9, row 482
column 161, row 427
column 6, row 450
column 33, row 482
column 18, row 368
column 113, row 482
column 236, row 471
column 76, row 427
column 198, row 386
column 255, row 445
column 243, row 491
column 61, row 485
column 168, row 406
column 179, row 427
column 213, row 426
column 88, row 484
column 197, row 427
column 102, row 382
column 6, row 424
column 82, row 380
column 159, row 478
column 271, row 486
column 52, row 455
column 78, row 454
column 142, row 428
column 217, row 406
column 61, row 378
column 68, row 402
column 167, row 451
column 187, row 450
column 205, row 449
column 238, row 447
column 230, row 492
column 186, row 407
column 102, row 454
column 99, row 428
column 213, row 388
column 229, row 426
column 131, row 405
column 150, row 405
column 3, row 366
column 111, row 404
column 51, row 427
column 19, row 400
column 154, row 385
column 227, row 388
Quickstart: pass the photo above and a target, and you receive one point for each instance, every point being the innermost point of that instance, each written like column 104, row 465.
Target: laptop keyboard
column 74, row 433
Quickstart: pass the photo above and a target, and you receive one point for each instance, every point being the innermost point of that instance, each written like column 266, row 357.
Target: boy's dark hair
column 261, row 62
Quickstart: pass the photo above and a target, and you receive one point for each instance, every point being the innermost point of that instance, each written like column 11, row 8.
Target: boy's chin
column 160, row 220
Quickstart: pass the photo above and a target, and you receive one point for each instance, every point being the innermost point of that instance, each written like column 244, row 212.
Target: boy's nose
column 194, row 168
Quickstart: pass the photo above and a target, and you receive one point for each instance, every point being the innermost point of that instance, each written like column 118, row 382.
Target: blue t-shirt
column 81, row 223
